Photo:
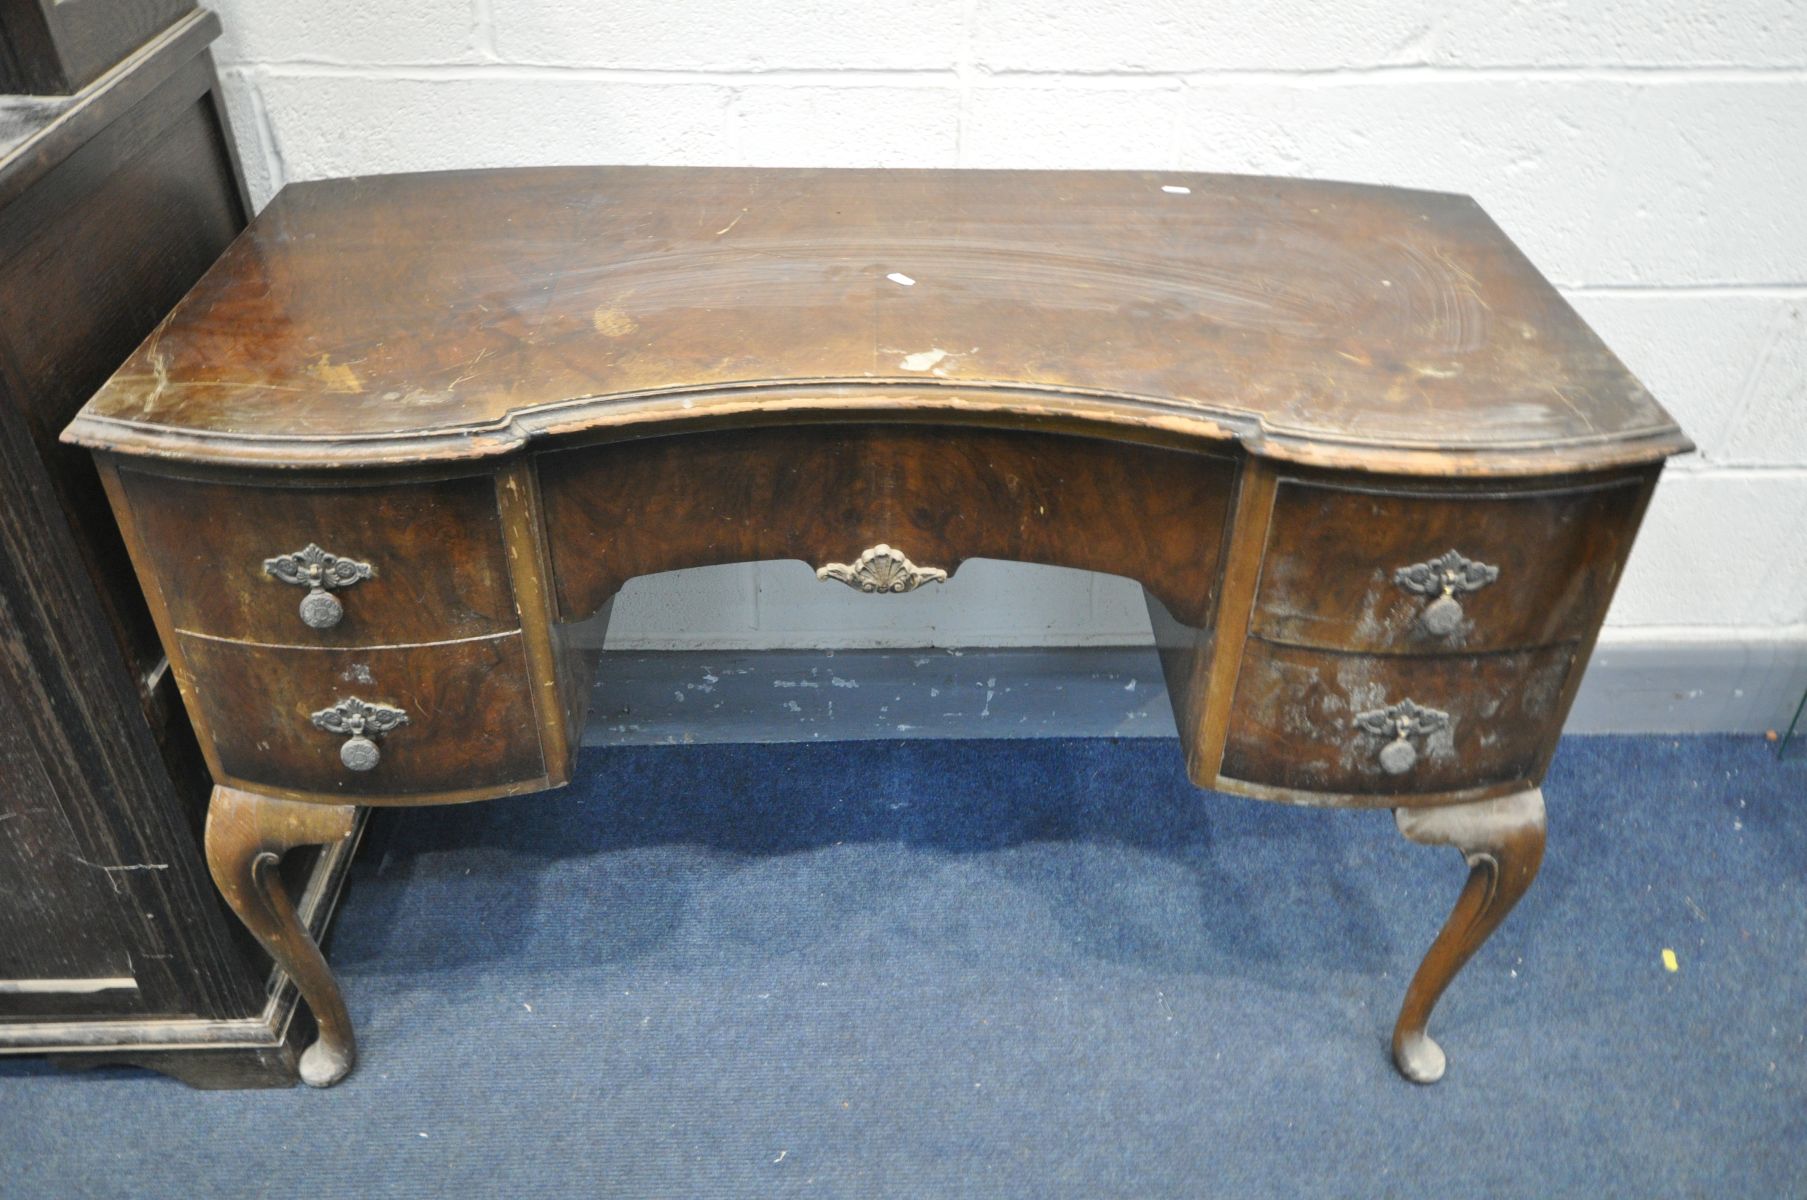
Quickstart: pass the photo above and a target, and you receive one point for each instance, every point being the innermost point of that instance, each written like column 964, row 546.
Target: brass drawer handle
column 318, row 571
column 359, row 719
column 882, row 569
column 1445, row 577
column 1403, row 721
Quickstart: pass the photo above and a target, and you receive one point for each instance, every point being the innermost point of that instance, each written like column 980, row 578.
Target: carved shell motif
column 882, row 569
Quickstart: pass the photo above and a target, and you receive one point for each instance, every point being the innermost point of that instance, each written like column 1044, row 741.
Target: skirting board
column 651, row 697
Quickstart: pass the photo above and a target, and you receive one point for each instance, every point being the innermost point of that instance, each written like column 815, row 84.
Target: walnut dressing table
column 1377, row 478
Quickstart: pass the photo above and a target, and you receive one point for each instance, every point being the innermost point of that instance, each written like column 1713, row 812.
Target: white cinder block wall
column 1649, row 155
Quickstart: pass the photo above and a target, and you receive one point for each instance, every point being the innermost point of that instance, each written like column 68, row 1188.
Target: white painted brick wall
column 1649, row 155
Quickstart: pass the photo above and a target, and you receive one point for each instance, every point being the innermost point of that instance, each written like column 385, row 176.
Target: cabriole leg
column 1503, row 843
column 247, row 835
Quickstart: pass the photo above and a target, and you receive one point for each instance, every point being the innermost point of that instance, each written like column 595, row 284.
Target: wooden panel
column 59, row 46
column 1328, row 578
column 517, row 497
column 826, row 493
column 435, row 548
column 97, row 253
column 1293, row 724
column 59, row 914
column 1328, row 322
column 1203, row 709
column 77, row 744
column 1185, row 655
column 470, row 714
column 108, row 212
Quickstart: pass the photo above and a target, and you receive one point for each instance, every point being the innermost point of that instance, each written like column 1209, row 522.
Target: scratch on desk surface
column 122, row 867
column 113, row 871
column 470, row 370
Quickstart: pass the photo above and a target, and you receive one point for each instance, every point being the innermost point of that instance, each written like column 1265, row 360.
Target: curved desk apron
column 1376, row 477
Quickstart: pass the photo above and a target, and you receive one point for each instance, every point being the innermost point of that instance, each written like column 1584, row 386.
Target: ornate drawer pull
column 882, row 569
column 1445, row 577
column 1403, row 721
column 359, row 718
column 316, row 570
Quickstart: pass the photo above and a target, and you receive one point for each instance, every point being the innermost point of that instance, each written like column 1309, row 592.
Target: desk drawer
column 1363, row 569
column 469, row 715
column 433, row 549
column 1321, row 722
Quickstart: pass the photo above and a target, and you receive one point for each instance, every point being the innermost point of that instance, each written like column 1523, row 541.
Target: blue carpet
column 990, row 968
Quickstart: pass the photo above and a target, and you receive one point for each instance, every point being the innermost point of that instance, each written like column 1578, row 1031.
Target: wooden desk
column 1378, row 480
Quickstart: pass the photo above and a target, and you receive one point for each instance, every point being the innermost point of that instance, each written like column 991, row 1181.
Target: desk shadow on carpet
column 728, row 854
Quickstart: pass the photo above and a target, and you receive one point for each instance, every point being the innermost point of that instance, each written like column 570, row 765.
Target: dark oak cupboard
column 118, row 189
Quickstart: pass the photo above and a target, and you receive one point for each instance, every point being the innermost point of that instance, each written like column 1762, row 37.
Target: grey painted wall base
column 800, row 695
column 1691, row 687
column 646, row 697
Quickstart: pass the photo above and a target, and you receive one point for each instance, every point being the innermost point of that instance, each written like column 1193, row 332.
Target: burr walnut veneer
column 1376, row 477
